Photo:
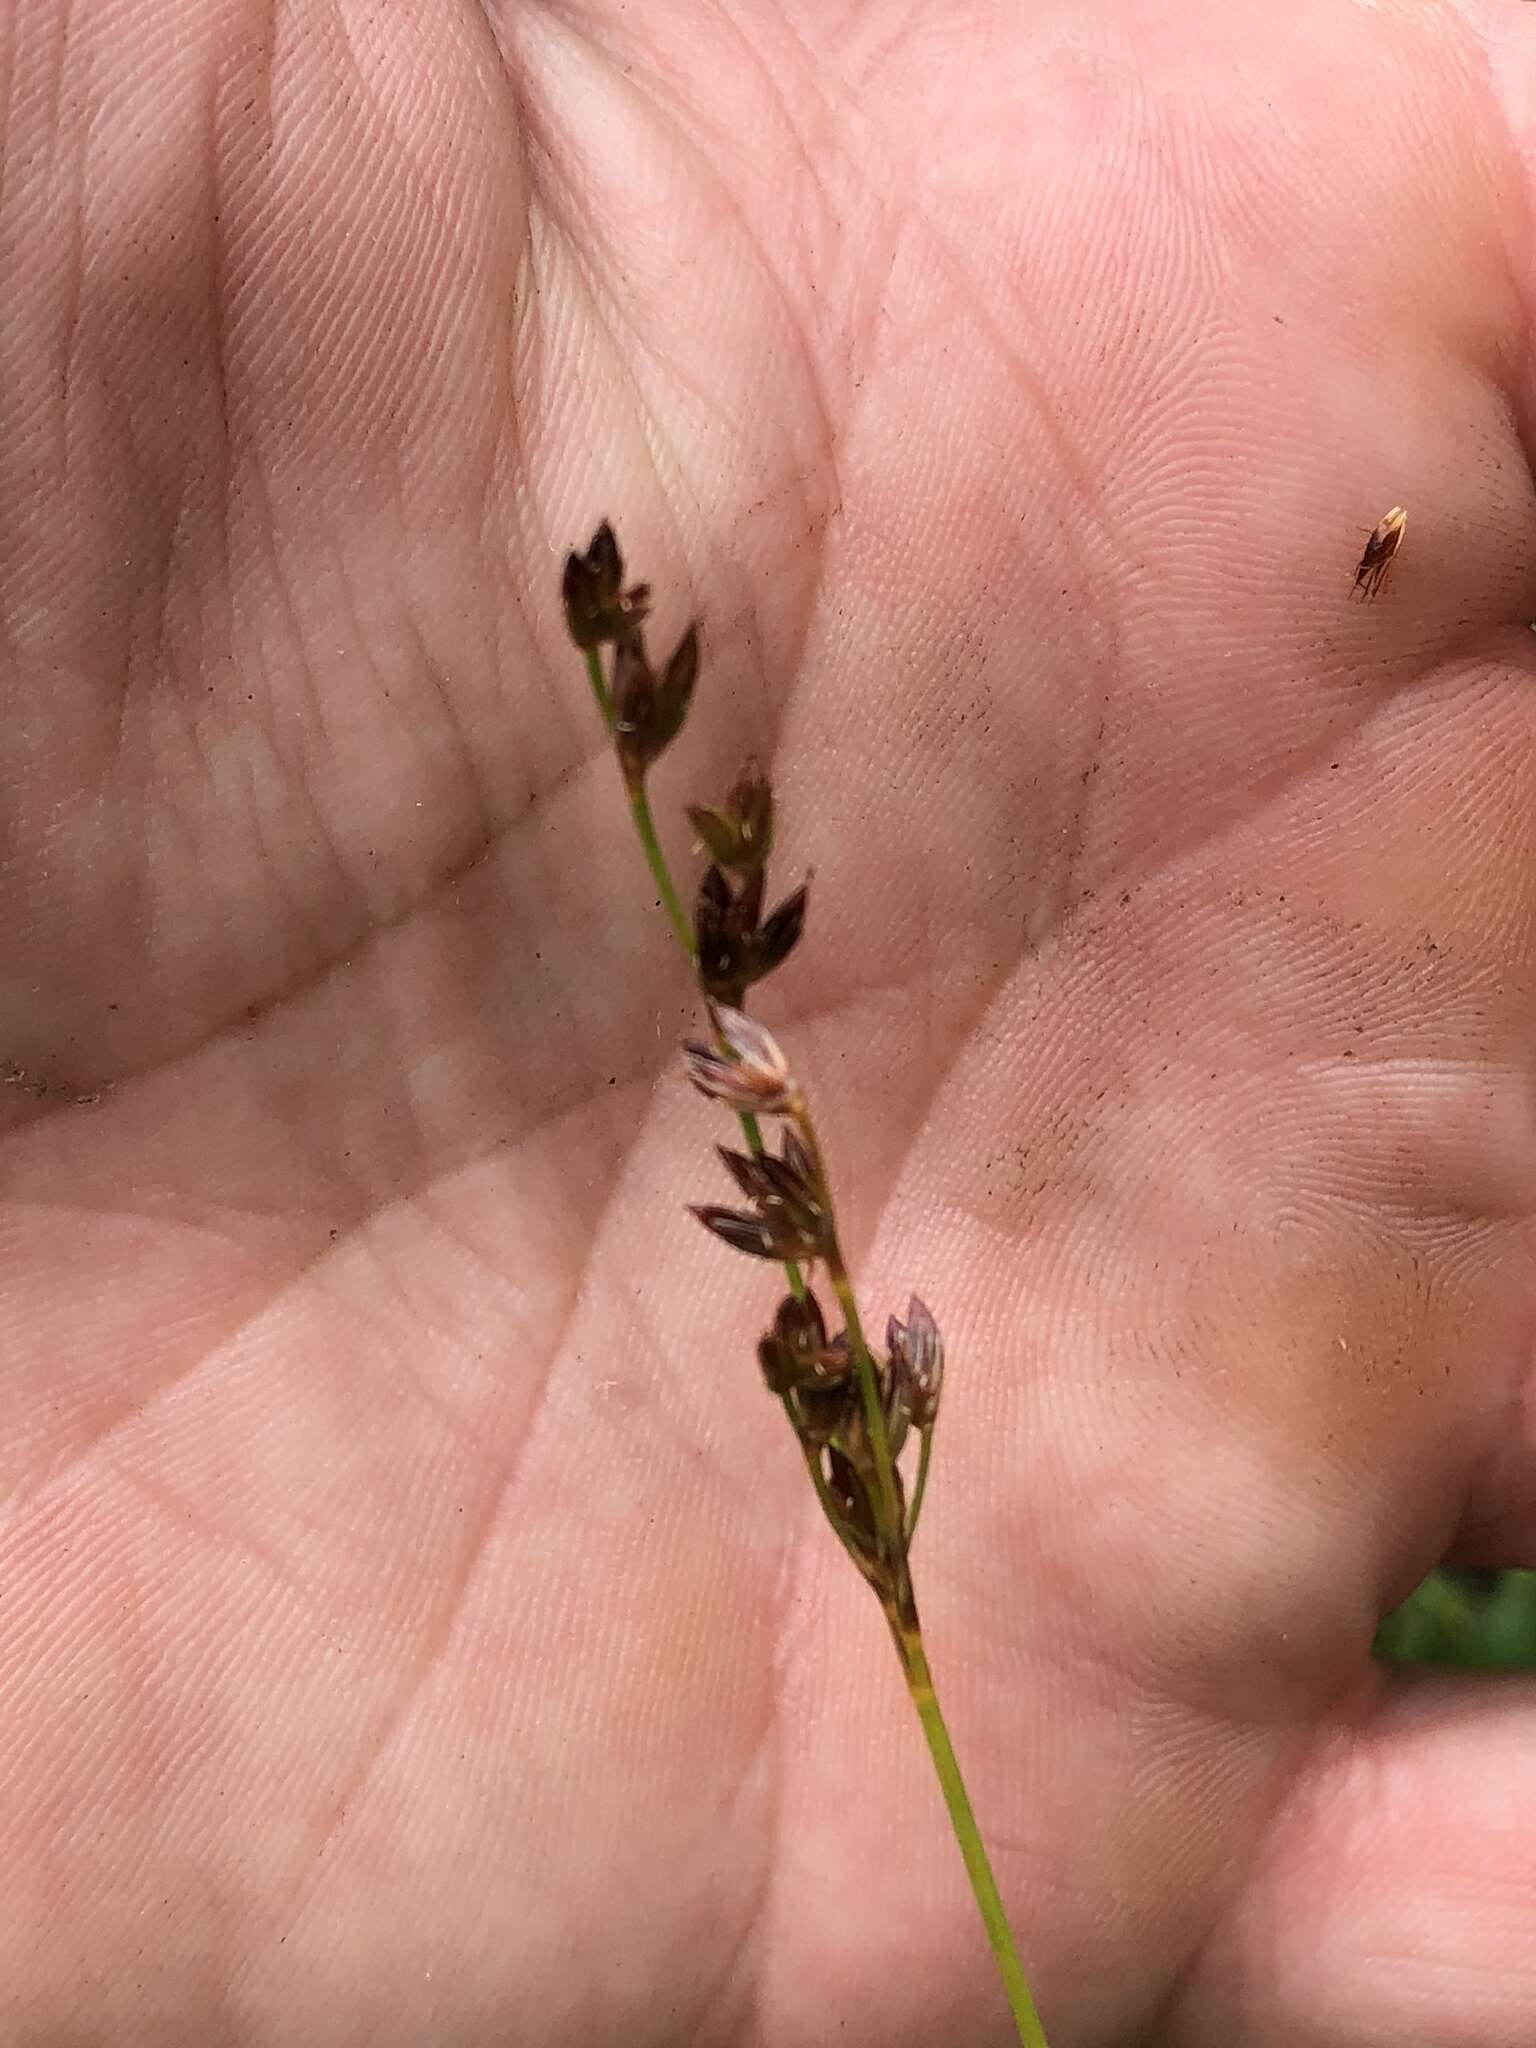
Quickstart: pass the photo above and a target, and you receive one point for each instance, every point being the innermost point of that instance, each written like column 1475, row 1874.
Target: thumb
column 1393, row 1899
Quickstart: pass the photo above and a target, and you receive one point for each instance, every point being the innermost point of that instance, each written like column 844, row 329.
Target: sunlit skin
column 415, row 1624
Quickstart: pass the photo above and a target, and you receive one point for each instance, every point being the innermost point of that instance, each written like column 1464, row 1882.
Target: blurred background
column 1477, row 1620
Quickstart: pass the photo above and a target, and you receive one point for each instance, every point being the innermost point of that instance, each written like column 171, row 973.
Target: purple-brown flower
column 735, row 944
column 916, row 1353
column 597, row 607
column 791, row 1219
column 649, row 709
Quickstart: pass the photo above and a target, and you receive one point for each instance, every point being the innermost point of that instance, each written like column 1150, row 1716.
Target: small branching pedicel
column 856, row 1414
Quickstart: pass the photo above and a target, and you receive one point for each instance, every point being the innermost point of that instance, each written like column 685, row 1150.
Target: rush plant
column 862, row 1417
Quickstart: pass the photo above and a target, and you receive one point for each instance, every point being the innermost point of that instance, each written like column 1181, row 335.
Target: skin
column 414, row 1623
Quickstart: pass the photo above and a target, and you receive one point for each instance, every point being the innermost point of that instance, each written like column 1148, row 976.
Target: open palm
column 415, row 1627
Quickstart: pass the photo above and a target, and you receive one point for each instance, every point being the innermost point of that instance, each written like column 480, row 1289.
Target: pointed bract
column 781, row 1369
column 786, row 1202
column 762, row 1178
column 747, row 1173
column 850, row 1493
column 726, row 933
column 764, row 1237
column 781, row 932
column 853, row 1490
column 675, row 689
column 823, row 1408
column 714, row 941
column 649, row 709
column 733, row 949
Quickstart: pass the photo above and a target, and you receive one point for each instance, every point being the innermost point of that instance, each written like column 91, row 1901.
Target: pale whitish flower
column 750, row 1074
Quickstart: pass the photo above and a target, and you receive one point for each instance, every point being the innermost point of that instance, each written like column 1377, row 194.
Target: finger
column 1391, row 1900
column 1499, row 1525
column 252, row 377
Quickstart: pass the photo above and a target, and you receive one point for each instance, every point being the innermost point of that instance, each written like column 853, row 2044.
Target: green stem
column 909, row 1646
column 645, row 826
column 923, row 1456
column 600, row 691
column 640, row 811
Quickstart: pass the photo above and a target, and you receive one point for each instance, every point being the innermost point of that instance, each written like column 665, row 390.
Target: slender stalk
column 925, row 1453
column 600, row 690
column 914, row 1660
column 645, row 827
column 640, row 811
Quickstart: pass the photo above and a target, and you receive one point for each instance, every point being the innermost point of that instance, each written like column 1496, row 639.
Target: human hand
column 416, row 1627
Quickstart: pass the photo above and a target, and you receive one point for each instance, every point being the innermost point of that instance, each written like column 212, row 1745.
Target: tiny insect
column 1379, row 551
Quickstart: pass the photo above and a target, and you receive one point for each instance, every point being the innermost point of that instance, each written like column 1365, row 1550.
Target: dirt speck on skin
column 39, row 1088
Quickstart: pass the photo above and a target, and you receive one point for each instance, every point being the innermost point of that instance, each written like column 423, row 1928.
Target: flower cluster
column 853, row 1410
column 647, row 706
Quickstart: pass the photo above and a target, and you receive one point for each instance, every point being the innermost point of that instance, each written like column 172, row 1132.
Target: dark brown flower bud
column 648, row 710
column 785, row 1192
column 675, row 689
column 798, row 1324
column 719, row 942
column 765, row 1237
column 797, row 1356
column 850, row 1492
column 823, row 1408
column 829, row 1402
column 725, row 933
column 751, row 1073
column 597, row 609
column 733, row 949
column 780, row 933
column 785, row 1205
column 751, row 1175
column 781, row 1369
column 853, row 1491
